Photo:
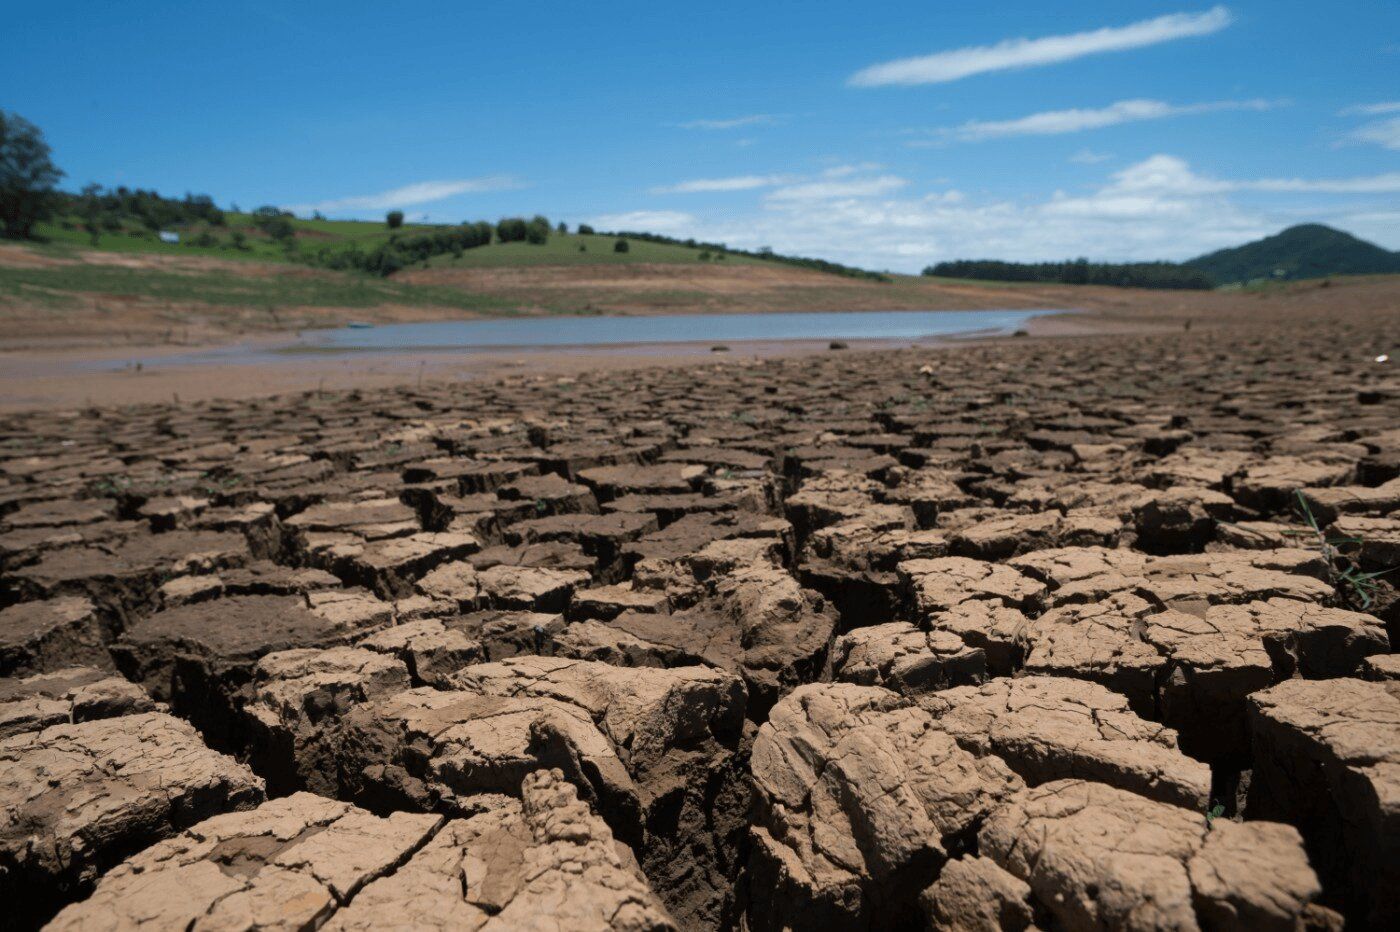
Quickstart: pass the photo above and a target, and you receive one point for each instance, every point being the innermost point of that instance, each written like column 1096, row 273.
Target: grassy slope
column 313, row 235
column 77, row 281
column 564, row 250
column 75, row 284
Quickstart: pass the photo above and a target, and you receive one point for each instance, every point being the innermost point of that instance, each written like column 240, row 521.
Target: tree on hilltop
column 27, row 176
column 511, row 230
column 394, row 219
column 537, row 231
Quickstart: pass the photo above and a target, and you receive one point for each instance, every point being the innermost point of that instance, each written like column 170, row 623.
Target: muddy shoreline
column 109, row 376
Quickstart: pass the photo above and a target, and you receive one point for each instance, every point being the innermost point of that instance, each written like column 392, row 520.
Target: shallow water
column 681, row 328
column 610, row 335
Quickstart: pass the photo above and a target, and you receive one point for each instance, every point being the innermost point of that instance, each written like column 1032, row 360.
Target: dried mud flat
column 1028, row 635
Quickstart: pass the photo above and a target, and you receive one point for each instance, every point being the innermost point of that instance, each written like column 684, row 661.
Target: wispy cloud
column 845, row 171
column 648, row 221
column 423, row 192
column 1381, row 132
column 835, row 181
column 1027, row 53
column 1058, row 122
column 1387, row 183
column 753, row 119
column 1167, row 174
column 1385, row 106
column 712, row 185
column 839, row 188
column 1089, row 157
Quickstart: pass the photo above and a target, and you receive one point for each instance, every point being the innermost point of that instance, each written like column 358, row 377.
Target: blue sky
column 884, row 134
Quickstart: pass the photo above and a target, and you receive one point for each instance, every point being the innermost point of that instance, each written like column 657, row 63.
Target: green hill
column 1307, row 251
column 564, row 249
column 137, row 221
column 321, row 243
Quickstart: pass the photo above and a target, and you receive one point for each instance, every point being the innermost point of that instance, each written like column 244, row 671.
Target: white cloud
column 1381, row 132
column 1388, row 106
column 844, row 171
column 423, row 192
column 1089, row 157
column 1058, row 122
column 839, row 189
column 709, row 185
column 1158, row 208
column 1166, row 174
column 1387, row 183
column 1026, row 53
column 646, row 221
column 753, row 119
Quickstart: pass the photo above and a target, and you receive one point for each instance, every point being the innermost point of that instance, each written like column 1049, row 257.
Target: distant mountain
column 1307, row 251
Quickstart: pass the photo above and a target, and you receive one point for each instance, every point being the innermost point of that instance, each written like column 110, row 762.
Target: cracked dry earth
column 1026, row 635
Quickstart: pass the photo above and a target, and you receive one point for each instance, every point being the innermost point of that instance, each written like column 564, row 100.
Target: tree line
column 1078, row 272
column 404, row 249
column 107, row 209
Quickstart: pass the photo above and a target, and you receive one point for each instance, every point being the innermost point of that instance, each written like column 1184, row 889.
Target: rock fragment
column 79, row 797
column 36, row 637
column 291, row 863
column 1327, row 759
column 1097, row 857
column 71, row 695
column 544, row 861
column 860, row 798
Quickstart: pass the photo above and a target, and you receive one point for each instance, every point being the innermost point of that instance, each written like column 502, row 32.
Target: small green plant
column 1358, row 587
column 1215, row 812
column 111, row 487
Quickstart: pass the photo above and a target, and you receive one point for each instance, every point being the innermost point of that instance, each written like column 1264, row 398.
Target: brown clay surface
column 1029, row 633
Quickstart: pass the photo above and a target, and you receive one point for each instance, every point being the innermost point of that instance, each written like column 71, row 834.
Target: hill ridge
column 1307, row 250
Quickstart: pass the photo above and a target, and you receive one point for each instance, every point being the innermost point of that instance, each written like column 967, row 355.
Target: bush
column 394, row 219
column 537, row 231
column 278, row 229
column 704, row 255
column 511, row 230
column 585, row 230
column 621, row 245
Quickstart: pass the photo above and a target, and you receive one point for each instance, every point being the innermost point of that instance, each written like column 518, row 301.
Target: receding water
column 540, row 333
column 680, row 328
